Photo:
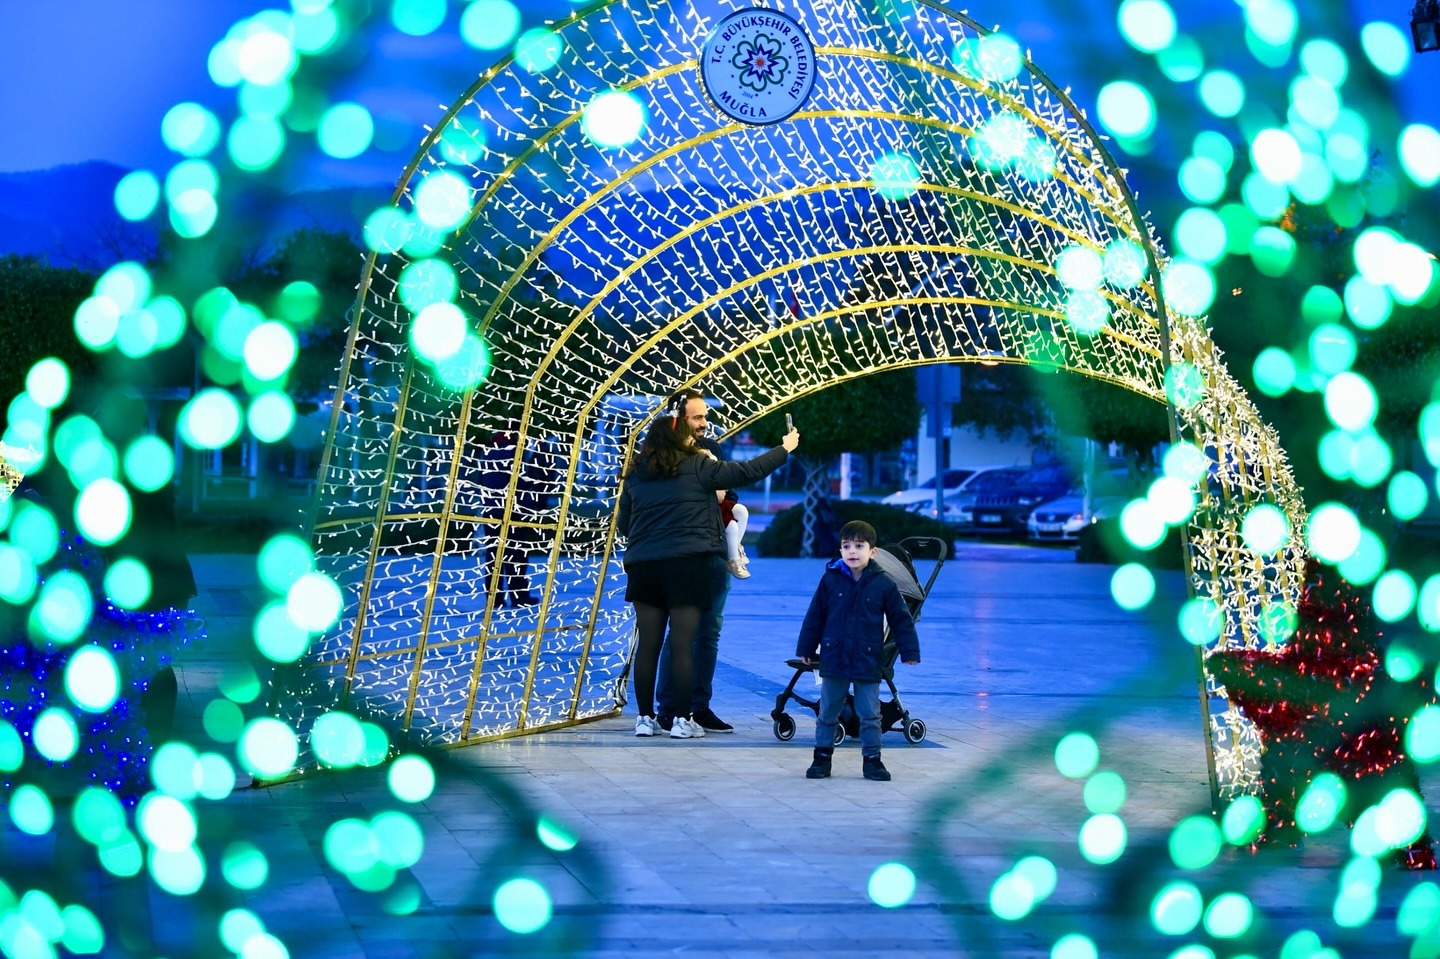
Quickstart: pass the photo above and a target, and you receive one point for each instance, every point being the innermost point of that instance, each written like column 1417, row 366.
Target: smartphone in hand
column 789, row 423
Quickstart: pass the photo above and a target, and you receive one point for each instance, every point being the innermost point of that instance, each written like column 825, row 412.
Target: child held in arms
column 844, row 630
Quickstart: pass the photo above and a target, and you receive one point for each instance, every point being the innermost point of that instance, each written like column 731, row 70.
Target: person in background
column 706, row 647
column 844, row 630
column 670, row 517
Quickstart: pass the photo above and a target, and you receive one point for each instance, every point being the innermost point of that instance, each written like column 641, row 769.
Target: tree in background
column 37, row 319
column 872, row 413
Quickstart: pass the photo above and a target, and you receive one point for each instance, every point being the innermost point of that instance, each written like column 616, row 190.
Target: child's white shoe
column 737, row 567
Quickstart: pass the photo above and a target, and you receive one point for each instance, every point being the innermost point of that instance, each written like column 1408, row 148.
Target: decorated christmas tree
column 1324, row 702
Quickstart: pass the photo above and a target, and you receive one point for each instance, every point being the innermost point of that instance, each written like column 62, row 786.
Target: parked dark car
column 960, row 508
column 1005, row 511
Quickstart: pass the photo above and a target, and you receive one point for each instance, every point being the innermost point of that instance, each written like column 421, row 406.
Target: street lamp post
column 1425, row 25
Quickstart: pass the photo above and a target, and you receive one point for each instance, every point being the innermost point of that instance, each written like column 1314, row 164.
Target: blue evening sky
column 91, row 79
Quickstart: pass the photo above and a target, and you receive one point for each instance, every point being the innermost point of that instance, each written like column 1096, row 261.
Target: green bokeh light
column 210, row 419
column 1011, row 897
column 1103, row 838
column 438, row 331
column 1195, row 842
column 1278, row 623
column 1189, row 287
column 1407, row 495
column 1200, row 233
column 149, row 463
column 98, row 816
column 1200, row 621
column 1274, row 371
column 463, row 142
column 244, row 866
column 30, row 810
column 102, row 511
column 190, row 129
column 1419, row 910
column 1074, row 946
column 268, row 748
column 1176, row 908
column 282, row 560
column 1104, row 792
column 270, row 350
column 1333, row 532
column 166, row 822
column 1087, row 312
column 337, row 740
column 417, row 18
column 523, row 906
column 1222, row 93
column 1182, row 61
column 1244, row 821
column 174, row 769
column 346, row 130
column 399, row 842
column 180, row 872
column 1394, row 596
column 1229, row 916
column 55, row 735
column 894, row 176
column 271, row 416
column 1127, row 109
column 239, row 926
column 255, row 142
column 1265, row 529
column 1422, row 735
column 1141, row 525
column 1077, row 755
column 223, row 720
column 539, row 50
column 63, row 608
column 1387, row 48
column 443, row 200
column 554, row 836
column 387, row 230
column 12, row 748
column 92, row 680
column 1272, row 250
column 1125, row 264
column 426, row 282
column 1363, row 565
column 1419, row 148
column 314, row 602
column 411, row 779
column 137, row 194
column 276, row 635
column 1147, row 25
column 490, row 24
column 1202, row 180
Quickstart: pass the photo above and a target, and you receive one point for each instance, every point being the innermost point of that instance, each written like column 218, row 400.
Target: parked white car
column 924, row 494
column 958, row 503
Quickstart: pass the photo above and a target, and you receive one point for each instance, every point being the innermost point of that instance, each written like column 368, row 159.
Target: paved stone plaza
column 721, row 847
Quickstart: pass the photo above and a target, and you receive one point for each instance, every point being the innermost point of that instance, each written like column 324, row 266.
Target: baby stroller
column 894, row 561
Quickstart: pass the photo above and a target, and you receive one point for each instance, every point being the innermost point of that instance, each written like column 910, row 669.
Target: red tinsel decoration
column 1323, row 701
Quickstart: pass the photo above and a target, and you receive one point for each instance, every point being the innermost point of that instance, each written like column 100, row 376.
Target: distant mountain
column 67, row 214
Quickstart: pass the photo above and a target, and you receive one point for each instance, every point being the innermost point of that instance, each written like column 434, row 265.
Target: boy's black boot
column 820, row 766
column 875, row 769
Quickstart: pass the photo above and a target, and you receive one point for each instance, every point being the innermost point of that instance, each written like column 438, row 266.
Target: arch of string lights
column 592, row 233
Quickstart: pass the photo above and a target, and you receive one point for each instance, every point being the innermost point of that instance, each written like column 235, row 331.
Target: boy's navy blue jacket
column 846, row 622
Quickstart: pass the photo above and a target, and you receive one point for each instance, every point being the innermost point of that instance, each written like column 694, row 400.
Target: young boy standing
column 845, row 629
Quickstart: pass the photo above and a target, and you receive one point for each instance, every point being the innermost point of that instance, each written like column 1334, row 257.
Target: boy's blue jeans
column 867, row 707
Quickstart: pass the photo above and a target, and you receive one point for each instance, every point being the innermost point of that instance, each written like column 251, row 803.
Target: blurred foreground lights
column 1076, row 755
column 1265, row 529
column 31, row 811
column 894, row 176
column 166, row 822
column 891, row 885
column 439, row 331
column 271, row 416
column 91, row 679
column 244, row 866
column 270, row 350
column 522, row 906
column 55, row 735
column 1132, row 586
column 210, row 420
column 277, row 637
column 314, row 602
column 613, row 119
column 149, row 463
column 1103, row 838
column 411, row 779
column 337, row 740
column 268, row 748
column 1176, row 909
column 1333, row 532
column 442, row 200
column 489, row 24
column 554, row 836
column 1074, row 946
column 1244, row 821
column 103, row 512
column 64, row 608
column 282, row 561
column 48, row 382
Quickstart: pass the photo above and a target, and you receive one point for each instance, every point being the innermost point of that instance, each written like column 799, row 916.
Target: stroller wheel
column 784, row 727
column 839, row 734
column 915, row 730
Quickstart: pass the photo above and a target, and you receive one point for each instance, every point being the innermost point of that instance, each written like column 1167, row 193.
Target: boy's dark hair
column 859, row 531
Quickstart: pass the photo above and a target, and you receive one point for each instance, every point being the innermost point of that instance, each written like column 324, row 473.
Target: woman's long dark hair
column 665, row 446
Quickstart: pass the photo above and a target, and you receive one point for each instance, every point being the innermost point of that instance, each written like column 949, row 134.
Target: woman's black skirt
column 681, row 581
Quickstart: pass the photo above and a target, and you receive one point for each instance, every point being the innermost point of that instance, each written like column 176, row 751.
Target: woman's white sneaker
column 684, row 728
column 647, row 726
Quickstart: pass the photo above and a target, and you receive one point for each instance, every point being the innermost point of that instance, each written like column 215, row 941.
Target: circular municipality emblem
column 758, row 66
